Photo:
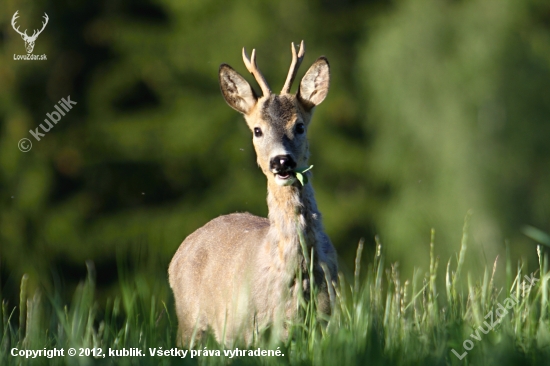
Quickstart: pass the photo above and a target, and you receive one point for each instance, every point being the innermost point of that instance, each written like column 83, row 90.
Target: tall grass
column 377, row 320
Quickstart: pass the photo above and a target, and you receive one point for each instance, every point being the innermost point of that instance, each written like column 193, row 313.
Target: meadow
column 378, row 319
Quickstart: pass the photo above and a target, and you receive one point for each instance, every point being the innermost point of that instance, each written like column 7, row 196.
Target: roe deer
column 240, row 273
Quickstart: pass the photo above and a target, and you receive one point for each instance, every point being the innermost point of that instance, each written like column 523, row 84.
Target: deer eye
column 300, row 128
column 258, row 132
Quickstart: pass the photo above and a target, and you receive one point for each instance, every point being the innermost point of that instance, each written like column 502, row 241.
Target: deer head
column 278, row 122
column 29, row 40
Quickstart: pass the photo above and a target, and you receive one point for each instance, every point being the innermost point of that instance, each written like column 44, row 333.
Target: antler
column 253, row 69
column 13, row 21
column 34, row 34
column 294, row 66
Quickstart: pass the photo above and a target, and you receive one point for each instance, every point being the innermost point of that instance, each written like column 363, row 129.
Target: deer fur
column 239, row 273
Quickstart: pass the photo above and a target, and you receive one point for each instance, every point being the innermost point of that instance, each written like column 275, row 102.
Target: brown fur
column 239, row 273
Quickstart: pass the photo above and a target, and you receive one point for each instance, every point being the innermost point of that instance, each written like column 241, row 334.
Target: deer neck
column 293, row 214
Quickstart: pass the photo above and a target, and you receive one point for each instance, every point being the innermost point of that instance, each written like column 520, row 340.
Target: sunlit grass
column 378, row 319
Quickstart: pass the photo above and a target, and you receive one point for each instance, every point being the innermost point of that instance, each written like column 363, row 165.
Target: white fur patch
column 285, row 182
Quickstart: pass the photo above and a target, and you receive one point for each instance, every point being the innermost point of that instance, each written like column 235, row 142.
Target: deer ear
column 236, row 90
column 314, row 84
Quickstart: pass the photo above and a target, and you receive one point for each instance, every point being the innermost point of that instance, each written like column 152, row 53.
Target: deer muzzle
column 282, row 166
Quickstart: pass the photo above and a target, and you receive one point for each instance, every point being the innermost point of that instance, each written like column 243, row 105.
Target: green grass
column 378, row 320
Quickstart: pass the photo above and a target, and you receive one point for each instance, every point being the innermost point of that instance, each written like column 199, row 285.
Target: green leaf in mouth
column 301, row 176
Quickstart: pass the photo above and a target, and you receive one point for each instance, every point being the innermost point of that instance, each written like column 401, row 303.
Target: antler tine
column 13, row 21
column 46, row 18
column 294, row 66
column 250, row 64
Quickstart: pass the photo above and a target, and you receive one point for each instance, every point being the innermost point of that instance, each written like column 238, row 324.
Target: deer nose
column 281, row 163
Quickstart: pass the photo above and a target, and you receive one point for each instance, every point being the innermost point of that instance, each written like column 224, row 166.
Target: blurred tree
column 151, row 151
column 459, row 106
column 436, row 107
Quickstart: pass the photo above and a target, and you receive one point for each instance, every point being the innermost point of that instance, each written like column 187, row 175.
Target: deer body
column 240, row 273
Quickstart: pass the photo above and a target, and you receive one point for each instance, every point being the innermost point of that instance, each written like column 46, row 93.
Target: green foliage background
column 436, row 107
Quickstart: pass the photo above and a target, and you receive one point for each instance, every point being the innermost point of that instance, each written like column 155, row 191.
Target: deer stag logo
column 29, row 40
